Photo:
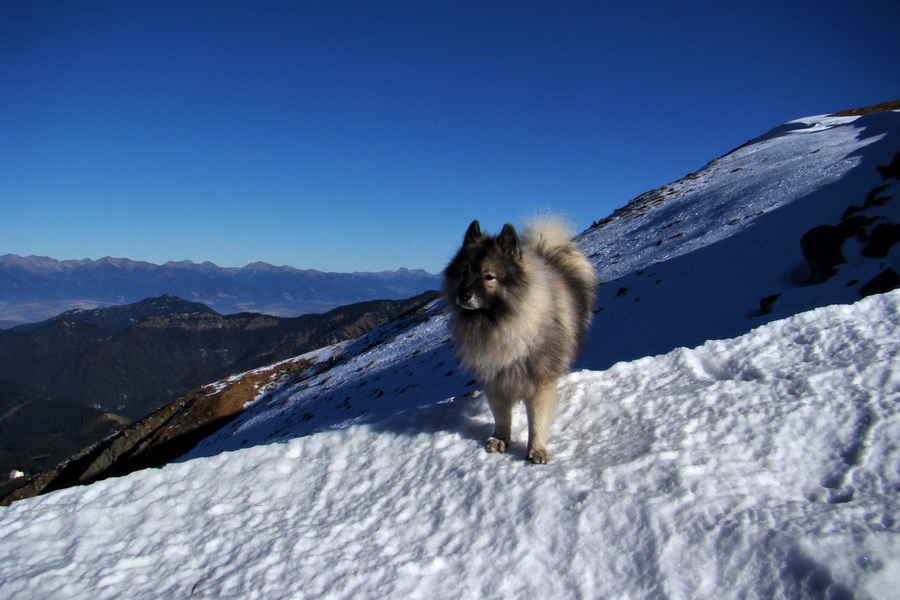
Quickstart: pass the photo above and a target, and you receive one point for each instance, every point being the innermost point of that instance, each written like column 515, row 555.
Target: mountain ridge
column 36, row 288
column 122, row 316
column 113, row 357
column 40, row 263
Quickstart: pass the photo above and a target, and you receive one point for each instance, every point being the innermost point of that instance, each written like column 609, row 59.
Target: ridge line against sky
column 354, row 136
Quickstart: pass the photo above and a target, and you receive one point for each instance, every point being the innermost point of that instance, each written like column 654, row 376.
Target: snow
column 700, row 451
column 764, row 466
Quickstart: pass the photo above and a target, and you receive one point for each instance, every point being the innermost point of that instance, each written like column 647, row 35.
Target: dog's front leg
column 541, row 408
column 501, row 407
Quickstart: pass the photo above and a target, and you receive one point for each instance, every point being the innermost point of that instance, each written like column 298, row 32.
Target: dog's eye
column 489, row 277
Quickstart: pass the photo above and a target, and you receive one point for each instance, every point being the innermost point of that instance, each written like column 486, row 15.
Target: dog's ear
column 508, row 241
column 473, row 233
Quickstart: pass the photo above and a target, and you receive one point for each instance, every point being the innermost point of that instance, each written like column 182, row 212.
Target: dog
column 519, row 310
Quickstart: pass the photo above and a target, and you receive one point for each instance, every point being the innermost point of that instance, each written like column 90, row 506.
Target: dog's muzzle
column 468, row 300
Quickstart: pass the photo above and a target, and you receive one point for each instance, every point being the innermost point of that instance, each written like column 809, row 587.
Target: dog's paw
column 495, row 445
column 538, row 457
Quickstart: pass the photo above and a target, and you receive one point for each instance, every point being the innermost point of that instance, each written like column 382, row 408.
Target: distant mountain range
column 35, row 288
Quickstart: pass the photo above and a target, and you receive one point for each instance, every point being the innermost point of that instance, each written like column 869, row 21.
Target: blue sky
column 365, row 136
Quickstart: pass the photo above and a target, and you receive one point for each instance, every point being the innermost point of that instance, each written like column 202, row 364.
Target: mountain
column 176, row 428
column 730, row 431
column 36, row 288
column 133, row 359
column 117, row 318
column 61, row 378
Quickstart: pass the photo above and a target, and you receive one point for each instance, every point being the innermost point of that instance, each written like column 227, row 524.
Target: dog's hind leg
column 541, row 409
column 501, row 407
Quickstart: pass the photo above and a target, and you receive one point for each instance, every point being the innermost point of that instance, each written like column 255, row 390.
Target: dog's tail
column 547, row 234
column 551, row 238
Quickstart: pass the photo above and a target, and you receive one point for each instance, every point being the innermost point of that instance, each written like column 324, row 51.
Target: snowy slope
column 692, row 260
column 763, row 466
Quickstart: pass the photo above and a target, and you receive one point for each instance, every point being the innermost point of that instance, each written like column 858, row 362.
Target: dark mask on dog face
column 484, row 266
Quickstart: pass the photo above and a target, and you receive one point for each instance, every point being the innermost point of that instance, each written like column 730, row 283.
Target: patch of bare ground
column 868, row 110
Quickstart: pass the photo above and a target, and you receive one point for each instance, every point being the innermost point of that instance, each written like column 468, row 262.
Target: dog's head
column 484, row 270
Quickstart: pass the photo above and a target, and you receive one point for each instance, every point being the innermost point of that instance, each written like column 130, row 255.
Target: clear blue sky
column 351, row 136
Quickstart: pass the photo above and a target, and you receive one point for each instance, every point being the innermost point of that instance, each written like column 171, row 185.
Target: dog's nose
column 465, row 295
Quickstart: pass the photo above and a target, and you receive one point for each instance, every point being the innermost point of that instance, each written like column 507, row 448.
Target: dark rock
column 882, row 238
column 821, row 247
column 161, row 436
column 891, row 171
column 882, row 283
column 765, row 305
column 875, row 199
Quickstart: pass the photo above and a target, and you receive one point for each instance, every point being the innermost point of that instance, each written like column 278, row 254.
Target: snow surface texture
column 761, row 467
column 766, row 466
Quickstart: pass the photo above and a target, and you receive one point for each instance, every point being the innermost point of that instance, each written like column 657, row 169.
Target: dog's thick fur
column 519, row 311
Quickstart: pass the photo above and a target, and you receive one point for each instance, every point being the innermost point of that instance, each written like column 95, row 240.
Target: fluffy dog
column 519, row 311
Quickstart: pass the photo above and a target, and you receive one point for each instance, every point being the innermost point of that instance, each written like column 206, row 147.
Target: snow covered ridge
column 765, row 466
column 794, row 161
column 722, row 251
